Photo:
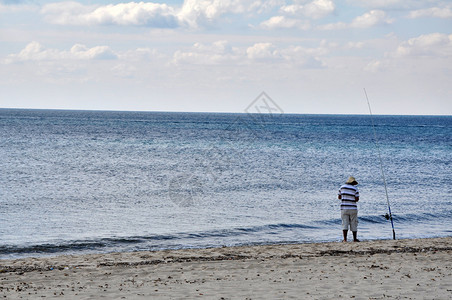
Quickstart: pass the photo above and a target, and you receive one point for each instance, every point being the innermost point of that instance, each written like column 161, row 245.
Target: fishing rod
column 388, row 216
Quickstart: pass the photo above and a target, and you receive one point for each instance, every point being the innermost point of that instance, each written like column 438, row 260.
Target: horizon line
column 213, row 112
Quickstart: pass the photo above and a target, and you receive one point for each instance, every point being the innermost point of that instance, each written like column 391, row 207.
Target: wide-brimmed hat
column 351, row 180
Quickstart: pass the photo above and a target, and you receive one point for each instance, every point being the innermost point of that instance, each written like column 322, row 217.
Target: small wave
column 423, row 217
column 374, row 219
column 147, row 242
column 50, row 248
column 397, row 218
column 81, row 245
column 265, row 233
column 407, row 218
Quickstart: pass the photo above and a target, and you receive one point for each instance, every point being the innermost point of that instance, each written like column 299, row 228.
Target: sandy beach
column 402, row 269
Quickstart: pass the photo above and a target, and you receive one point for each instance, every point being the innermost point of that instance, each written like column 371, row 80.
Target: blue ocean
column 74, row 182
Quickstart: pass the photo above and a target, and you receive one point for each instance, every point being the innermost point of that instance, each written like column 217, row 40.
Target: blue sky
column 310, row 56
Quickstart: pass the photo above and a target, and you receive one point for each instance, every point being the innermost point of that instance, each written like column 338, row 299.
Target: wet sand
column 384, row 269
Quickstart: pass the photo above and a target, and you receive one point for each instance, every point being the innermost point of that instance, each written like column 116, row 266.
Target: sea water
column 99, row 181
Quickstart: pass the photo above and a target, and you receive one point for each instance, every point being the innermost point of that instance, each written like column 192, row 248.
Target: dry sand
column 402, row 269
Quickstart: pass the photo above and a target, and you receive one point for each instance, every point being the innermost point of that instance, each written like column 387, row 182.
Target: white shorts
column 349, row 218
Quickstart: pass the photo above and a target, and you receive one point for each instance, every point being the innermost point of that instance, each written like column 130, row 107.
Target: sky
column 309, row 56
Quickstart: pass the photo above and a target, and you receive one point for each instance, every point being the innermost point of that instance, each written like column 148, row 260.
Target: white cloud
column 34, row 51
column 217, row 53
column 192, row 13
column 305, row 57
column 282, row 22
column 292, row 55
column 142, row 54
column 367, row 20
column 295, row 15
column 373, row 66
column 263, row 6
column 66, row 13
column 132, row 13
column 211, row 54
column 370, row 19
column 433, row 12
column 316, row 9
column 196, row 13
column 79, row 51
column 263, row 51
column 219, row 47
column 222, row 53
column 434, row 44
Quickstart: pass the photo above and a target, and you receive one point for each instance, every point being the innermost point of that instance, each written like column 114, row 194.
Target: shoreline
column 44, row 263
column 412, row 268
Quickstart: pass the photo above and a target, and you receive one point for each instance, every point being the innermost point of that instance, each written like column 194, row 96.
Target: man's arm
column 356, row 198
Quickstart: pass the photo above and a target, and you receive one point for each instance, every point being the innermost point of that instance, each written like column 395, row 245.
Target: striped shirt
column 348, row 193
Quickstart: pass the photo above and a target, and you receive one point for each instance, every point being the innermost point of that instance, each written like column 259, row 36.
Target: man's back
column 349, row 196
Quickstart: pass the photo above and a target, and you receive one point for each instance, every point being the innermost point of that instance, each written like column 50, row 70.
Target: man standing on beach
column 349, row 195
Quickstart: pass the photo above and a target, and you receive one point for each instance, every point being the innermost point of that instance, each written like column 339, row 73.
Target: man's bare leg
column 345, row 232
